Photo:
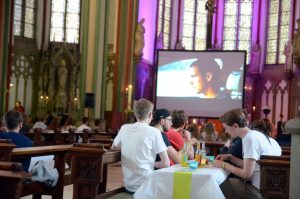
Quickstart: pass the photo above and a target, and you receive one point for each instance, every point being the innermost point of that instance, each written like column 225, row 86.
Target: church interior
column 95, row 58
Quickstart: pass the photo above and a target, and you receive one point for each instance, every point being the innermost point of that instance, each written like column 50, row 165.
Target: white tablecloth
column 205, row 184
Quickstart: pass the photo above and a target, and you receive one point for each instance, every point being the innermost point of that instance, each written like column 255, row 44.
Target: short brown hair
column 12, row 119
column 238, row 116
column 142, row 108
column 178, row 118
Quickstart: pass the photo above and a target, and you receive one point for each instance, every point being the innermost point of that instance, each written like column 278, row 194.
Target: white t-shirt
column 256, row 144
column 39, row 125
column 140, row 143
column 82, row 127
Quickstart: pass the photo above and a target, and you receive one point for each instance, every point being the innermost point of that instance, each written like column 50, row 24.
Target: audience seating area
column 89, row 164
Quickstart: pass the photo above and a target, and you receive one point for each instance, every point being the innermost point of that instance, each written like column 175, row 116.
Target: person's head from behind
column 142, row 109
column 18, row 103
column 234, row 120
column 194, row 129
column 84, row 120
column 162, row 119
column 263, row 125
column 204, row 79
column 13, row 121
column 179, row 119
column 97, row 122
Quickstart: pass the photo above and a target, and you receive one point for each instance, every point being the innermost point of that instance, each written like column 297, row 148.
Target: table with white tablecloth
column 205, row 184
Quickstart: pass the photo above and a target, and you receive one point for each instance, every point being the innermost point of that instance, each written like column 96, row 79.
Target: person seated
column 13, row 122
column 25, row 126
column 209, row 134
column 69, row 124
column 84, row 125
column 254, row 144
column 39, row 123
column 139, row 144
column 162, row 120
column 19, row 107
column 177, row 134
column 97, row 124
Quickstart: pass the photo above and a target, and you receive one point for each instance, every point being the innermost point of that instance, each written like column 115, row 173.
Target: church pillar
column 92, row 45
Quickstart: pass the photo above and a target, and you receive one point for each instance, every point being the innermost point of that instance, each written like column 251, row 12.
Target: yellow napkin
column 182, row 182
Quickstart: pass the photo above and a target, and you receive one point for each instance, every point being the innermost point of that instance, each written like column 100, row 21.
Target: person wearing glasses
column 162, row 120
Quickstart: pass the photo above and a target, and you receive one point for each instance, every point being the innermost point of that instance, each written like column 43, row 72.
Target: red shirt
column 175, row 139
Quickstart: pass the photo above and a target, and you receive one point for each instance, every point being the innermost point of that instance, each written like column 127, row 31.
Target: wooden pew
column 105, row 140
column 36, row 188
column 274, row 176
column 89, row 171
column 11, row 176
column 6, row 148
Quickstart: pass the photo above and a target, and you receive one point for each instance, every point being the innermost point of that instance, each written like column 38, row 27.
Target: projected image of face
column 196, row 79
column 205, row 81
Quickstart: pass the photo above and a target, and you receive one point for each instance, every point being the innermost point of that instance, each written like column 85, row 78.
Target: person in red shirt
column 177, row 135
column 19, row 107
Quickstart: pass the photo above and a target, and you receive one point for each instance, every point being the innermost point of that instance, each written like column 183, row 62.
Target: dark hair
column 85, row 120
column 238, row 116
column 263, row 125
column 194, row 129
column 97, row 122
column 12, row 119
column 178, row 118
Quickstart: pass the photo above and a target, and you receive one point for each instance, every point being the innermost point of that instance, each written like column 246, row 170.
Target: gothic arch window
column 237, row 25
column 24, row 18
column 278, row 30
column 164, row 21
column 194, row 25
column 65, row 21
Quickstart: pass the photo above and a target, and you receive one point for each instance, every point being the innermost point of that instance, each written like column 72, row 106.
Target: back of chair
column 86, row 170
column 274, row 176
column 10, row 180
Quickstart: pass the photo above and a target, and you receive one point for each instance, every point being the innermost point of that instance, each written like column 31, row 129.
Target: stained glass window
column 237, row 26
column 279, row 16
column 24, row 18
column 164, row 21
column 65, row 21
column 194, row 25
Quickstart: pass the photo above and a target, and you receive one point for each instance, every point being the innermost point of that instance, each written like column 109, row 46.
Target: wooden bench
column 36, row 188
column 89, row 170
column 274, row 176
column 6, row 148
column 11, row 176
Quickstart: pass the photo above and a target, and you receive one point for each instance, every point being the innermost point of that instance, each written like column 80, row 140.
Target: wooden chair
column 89, row 171
column 11, row 176
column 274, row 176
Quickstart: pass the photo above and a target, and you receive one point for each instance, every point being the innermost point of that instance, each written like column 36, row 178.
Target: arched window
column 237, row 25
column 194, row 25
column 65, row 21
column 278, row 30
column 24, row 18
column 164, row 21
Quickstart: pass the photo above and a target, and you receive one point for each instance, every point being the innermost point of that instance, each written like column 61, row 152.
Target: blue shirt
column 20, row 141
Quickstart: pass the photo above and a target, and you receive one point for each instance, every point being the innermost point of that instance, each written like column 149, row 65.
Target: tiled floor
column 115, row 180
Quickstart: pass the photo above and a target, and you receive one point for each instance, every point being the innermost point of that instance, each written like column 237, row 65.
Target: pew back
column 275, row 176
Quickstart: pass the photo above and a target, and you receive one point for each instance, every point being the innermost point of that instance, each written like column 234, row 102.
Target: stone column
column 293, row 126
